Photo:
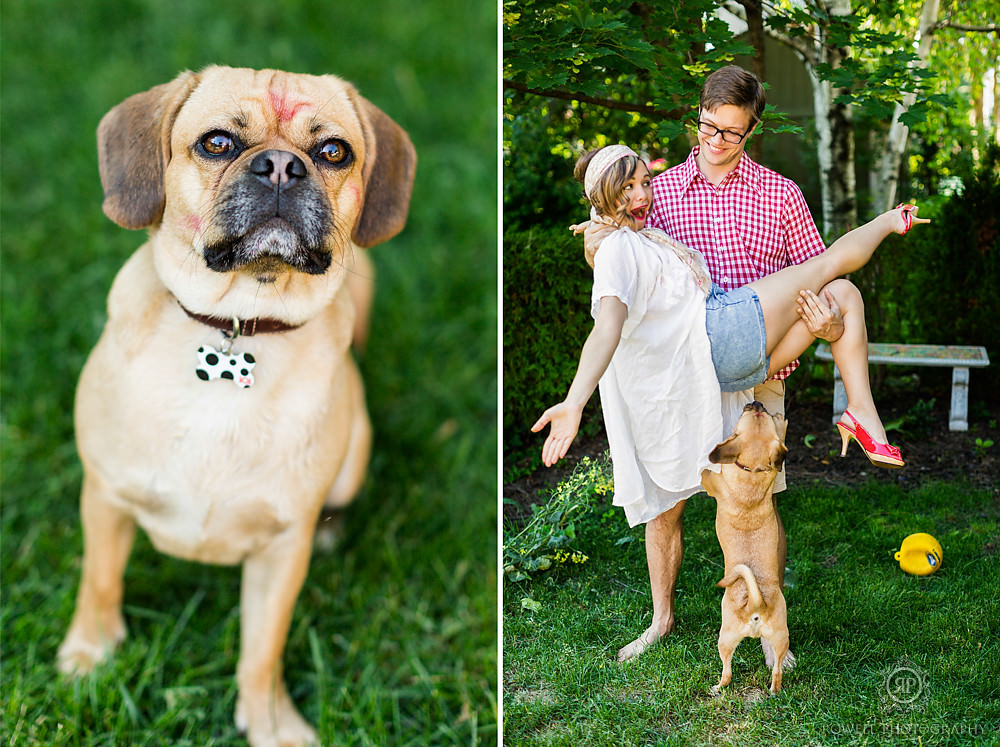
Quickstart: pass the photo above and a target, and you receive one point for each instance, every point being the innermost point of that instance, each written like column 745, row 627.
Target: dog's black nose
column 278, row 168
column 754, row 407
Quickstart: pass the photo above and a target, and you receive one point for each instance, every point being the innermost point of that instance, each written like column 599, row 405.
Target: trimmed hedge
column 546, row 319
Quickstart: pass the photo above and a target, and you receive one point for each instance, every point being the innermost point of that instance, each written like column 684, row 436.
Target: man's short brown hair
column 734, row 86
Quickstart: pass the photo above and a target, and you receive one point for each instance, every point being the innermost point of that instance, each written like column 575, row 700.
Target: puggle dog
column 221, row 409
column 747, row 527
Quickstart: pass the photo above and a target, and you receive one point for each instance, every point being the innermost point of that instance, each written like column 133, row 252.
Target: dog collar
column 237, row 327
column 223, row 363
column 748, row 469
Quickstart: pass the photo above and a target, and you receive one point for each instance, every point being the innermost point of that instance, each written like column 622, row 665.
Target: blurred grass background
column 394, row 639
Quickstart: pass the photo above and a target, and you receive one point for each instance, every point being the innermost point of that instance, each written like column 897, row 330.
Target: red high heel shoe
column 879, row 454
column 907, row 221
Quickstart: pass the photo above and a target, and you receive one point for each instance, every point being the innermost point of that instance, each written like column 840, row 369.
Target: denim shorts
column 735, row 325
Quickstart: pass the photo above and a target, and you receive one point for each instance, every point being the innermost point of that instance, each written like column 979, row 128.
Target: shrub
column 538, row 185
column 938, row 284
column 546, row 319
column 546, row 540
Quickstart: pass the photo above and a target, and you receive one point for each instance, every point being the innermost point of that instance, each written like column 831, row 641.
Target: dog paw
column 277, row 724
column 80, row 653
column 77, row 657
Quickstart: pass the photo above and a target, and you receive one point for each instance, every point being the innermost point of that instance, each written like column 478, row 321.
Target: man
column 748, row 221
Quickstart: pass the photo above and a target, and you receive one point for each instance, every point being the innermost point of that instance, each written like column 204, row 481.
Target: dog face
column 757, row 443
column 252, row 179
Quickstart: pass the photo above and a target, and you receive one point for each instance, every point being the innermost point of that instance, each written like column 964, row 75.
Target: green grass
column 394, row 635
column 854, row 617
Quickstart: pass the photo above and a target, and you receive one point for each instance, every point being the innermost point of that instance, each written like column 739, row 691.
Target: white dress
column 660, row 395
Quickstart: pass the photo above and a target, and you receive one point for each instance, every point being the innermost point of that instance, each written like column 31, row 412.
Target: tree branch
column 972, row 29
column 624, row 106
column 804, row 47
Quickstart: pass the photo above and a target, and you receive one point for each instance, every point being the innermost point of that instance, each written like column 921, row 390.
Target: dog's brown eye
column 217, row 143
column 335, row 152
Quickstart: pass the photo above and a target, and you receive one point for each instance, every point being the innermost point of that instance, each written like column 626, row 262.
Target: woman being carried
column 666, row 341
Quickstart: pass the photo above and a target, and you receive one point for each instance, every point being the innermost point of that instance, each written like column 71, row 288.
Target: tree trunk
column 754, row 10
column 835, row 128
column 885, row 193
column 995, row 119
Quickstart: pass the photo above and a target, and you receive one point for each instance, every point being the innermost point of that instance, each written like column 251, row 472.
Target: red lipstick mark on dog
column 284, row 107
column 193, row 223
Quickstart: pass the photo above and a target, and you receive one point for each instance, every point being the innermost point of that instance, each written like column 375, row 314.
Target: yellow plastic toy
column 920, row 554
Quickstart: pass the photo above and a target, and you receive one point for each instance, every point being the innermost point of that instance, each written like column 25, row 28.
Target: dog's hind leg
column 727, row 646
column 352, row 472
column 779, row 641
column 361, row 285
column 729, row 638
column 97, row 625
column 355, row 465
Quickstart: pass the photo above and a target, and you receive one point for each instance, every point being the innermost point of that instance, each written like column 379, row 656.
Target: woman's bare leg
column 850, row 353
column 777, row 292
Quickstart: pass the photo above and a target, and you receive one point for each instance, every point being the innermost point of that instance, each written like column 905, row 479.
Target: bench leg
column 958, row 419
column 839, row 395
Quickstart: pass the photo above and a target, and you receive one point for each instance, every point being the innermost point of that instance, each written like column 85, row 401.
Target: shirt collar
column 746, row 170
column 689, row 170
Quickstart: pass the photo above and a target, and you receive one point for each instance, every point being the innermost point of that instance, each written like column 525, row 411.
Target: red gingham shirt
column 753, row 224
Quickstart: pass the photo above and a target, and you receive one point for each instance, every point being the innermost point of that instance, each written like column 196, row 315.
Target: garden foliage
column 546, row 539
column 938, row 283
column 546, row 297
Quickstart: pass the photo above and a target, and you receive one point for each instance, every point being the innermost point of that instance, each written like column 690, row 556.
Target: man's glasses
column 710, row 130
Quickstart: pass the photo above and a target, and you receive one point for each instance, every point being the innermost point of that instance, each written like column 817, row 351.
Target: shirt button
column 725, row 278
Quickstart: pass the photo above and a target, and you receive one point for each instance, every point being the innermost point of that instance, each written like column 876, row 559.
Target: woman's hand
column 565, row 421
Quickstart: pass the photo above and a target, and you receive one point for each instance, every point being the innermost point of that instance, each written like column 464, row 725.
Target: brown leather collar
column 754, row 469
column 242, row 327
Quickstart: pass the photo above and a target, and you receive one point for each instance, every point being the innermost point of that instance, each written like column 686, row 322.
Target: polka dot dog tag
column 215, row 364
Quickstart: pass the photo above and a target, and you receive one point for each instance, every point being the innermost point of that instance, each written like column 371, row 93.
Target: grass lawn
column 861, row 629
column 394, row 637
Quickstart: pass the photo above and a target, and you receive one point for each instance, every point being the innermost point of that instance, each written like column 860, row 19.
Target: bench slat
column 949, row 356
column 960, row 358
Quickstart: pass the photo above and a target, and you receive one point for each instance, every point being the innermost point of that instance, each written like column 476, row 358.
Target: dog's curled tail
column 744, row 572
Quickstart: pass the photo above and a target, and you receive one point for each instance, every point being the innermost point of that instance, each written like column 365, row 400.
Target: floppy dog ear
column 388, row 176
column 779, row 451
column 133, row 148
column 781, row 426
column 727, row 452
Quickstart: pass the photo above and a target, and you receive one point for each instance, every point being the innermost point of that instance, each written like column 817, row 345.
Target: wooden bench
column 959, row 357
